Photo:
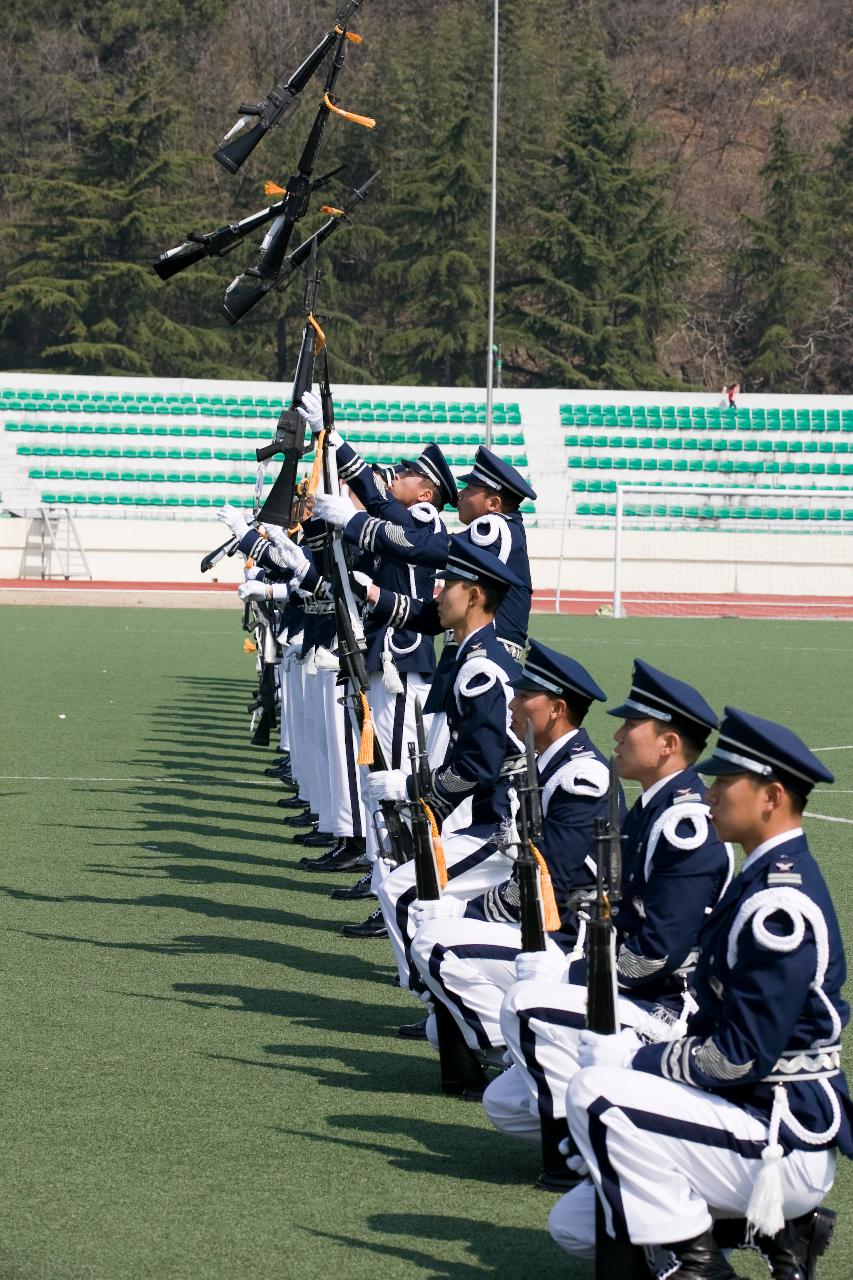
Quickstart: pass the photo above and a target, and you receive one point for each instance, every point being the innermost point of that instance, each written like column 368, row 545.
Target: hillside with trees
column 676, row 184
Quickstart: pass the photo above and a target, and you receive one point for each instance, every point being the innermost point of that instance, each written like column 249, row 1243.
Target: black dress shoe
column 290, row 802
column 317, row 840
column 302, row 819
column 413, row 1030
column 361, row 889
column 550, row 1180
column 347, row 858
column 373, row 927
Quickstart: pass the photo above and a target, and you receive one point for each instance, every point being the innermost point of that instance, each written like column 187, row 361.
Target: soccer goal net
column 737, row 552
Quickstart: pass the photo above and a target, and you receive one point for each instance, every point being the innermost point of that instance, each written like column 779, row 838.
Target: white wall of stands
column 169, row 549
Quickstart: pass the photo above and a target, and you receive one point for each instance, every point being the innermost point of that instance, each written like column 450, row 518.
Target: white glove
column 291, row 556
column 334, row 509
column 595, row 1050
column 386, row 784
column 263, row 591
column 274, row 531
column 253, row 590
column 234, row 518
column 540, row 966
column 311, row 412
column 574, row 1160
column 254, row 572
column 444, row 908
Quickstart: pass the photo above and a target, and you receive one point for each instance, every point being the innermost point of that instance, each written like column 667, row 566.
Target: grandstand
column 171, row 451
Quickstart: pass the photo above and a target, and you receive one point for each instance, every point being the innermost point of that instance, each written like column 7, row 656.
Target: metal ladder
column 53, row 537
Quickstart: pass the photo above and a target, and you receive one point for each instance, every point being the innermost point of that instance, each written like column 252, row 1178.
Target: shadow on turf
column 457, row 1150
column 504, row 1253
column 281, row 953
column 197, row 906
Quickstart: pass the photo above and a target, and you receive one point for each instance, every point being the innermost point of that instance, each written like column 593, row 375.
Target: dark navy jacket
column 392, row 570
column 574, row 787
column 757, row 1005
column 482, row 745
column 502, row 534
column 674, row 870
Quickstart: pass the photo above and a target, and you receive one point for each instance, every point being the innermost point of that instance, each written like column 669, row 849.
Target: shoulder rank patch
column 782, row 872
column 685, row 794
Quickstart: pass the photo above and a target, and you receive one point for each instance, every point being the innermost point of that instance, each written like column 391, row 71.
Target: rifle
column 216, row 244
column 526, row 868
column 241, row 140
column 290, row 430
column 614, row 1259
column 351, row 642
column 247, row 289
column 268, row 653
column 429, row 861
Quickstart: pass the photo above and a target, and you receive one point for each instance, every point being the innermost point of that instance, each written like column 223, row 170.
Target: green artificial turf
column 199, row 1074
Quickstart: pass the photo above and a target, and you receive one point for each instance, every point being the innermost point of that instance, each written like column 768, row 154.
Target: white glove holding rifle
column 311, row 412
column 334, row 508
column 235, row 520
column 291, row 556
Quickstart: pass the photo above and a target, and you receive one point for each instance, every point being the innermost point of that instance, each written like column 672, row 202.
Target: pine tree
column 593, row 281
column 778, row 276
column 435, row 278
column 834, row 336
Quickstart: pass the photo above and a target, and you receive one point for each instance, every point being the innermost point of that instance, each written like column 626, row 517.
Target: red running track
column 696, row 605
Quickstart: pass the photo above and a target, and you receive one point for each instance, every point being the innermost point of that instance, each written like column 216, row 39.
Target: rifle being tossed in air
column 257, row 119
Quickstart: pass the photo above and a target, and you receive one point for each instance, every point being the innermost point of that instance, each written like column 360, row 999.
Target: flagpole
column 490, row 356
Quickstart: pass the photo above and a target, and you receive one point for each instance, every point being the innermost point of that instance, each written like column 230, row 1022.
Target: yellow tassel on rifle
column 332, row 212
column 437, row 846
column 249, row 646
column 351, row 35
column 320, row 340
column 317, row 468
column 273, row 189
column 365, row 746
column 367, row 122
column 549, row 903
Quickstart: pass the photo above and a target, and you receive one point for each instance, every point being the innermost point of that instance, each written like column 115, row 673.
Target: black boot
column 462, row 1074
column 372, row 927
column 317, row 862
column 413, row 1030
column 361, row 889
column 316, row 839
column 701, row 1259
column 346, row 858
column 555, row 1176
column 793, row 1252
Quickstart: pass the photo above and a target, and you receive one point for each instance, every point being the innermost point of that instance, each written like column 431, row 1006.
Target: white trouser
column 470, row 965
column 675, row 1159
column 314, row 738
column 296, row 723
column 283, row 734
column 510, row 1108
column 394, row 721
column 473, row 866
column 343, row 778
column 540, row 1023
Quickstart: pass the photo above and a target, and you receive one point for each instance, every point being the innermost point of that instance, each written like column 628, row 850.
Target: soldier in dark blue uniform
column 742, row 1114
column 483, row 751
column 465, row 950
column 675, row 870
column 489, row 508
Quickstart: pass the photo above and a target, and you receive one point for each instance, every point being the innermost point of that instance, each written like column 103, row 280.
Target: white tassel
column 325, row 660
column 765, row 1212
column 309, row 665
column 391, row 681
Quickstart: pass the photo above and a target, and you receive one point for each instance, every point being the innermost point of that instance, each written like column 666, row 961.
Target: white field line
column 824, row 817
column 847, row 748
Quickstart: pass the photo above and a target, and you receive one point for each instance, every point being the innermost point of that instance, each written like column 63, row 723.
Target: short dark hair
column 492, row 596
column 691, row 747
column 510, row 501
column 577, row 707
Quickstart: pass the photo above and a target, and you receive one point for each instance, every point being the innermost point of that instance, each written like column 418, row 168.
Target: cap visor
column 716, row 767
column 525, row 684
column 624, row 712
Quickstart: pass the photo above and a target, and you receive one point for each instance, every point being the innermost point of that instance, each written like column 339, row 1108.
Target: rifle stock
column 526, row 869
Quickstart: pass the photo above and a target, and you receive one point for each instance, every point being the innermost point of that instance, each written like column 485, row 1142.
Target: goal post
column 735, row 551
